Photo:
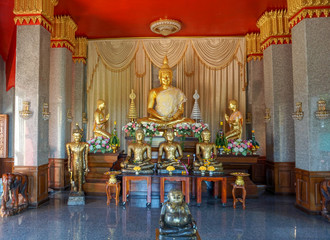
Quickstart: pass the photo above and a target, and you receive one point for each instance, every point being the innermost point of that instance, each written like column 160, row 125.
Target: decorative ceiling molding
column 253, row 47
column 63, row 33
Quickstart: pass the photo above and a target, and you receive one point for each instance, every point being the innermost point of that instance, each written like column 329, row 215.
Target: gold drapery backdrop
column 214, row 66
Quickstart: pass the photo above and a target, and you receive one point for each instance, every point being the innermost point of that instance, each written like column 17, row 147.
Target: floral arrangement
column 255, row 144
column 137, row 169
column 170, row 168
column 114, row 140
column 183, row 129
column 240, row 146
column 130, row 128
column 211, row 169
column 221, row 141
column 202, row 168
column 198, row 128
column 99, row 144
column 150, row 129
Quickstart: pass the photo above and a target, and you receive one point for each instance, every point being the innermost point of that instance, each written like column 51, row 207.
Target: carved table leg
column 108, row 192
column 244, row 196
column 216, row 189
column 193, row 187
column 124, row 190
column 224, row 191
column 162, row 186
column 187, row 182
column 234, row 197
column 149, row 191
column 199, row 191
column 117, row 193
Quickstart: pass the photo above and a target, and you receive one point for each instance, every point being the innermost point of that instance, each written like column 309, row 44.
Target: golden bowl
column 113, row 175
column 239, row 177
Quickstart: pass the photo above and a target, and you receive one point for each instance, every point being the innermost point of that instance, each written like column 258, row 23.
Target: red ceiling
column 129, row 18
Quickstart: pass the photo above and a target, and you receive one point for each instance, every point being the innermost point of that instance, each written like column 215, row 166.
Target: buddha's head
column 100, row 104
column 165, row 74
column 169, row 135
column 175, row 196
column 232, row 105
column 206, row 135
column 139, row 135
column 77, row 134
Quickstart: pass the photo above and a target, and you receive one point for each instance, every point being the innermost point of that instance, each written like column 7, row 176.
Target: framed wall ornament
column 4, row 120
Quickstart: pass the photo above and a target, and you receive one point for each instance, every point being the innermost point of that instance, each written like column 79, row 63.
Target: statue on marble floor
column 77, row 161
column 100, row 120
column 235, row 122
column 172, row 150
column 142, row 156
column 176, row 220
column 165, row 103
column 206, row 153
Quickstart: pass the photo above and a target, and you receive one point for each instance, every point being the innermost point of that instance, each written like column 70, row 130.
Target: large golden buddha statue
column 235, row 122
column 206, row 153
column 100, row 120
column 172, row 150
column 165, row 103
column 138, row 155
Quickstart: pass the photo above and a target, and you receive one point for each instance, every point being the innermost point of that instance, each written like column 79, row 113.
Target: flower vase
column 137, row 173
column 170, row 173
column 203, row 173
column 211, row 173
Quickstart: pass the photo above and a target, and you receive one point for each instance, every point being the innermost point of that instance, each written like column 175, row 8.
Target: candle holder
column 267, row 116
column 298, row 114
column 25, row 113
column 321, row 112
column 45, row 112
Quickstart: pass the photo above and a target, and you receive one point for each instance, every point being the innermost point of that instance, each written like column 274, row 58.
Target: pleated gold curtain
column 215, row 67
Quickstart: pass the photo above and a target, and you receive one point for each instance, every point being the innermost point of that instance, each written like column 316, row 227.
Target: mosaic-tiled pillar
column 78, row 81
column 32, row 87
column 311, row 81
column 278, row 90
column 256, row 97
column 60, row 95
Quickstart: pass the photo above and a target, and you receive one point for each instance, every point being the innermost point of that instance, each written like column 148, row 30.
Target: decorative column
column 60, row 95
column 34, row 21
column 310, row 24
column 275, row 40
column 78, row 81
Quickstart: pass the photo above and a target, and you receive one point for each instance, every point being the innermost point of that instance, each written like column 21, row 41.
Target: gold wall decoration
column 322, row 113
column 80, row 50
column 274, row 28
column 298, row 114
column 25, row 113
column 253, row 47
column 63, row 33
column 35, row 12
column 301, row 9
column 267, row 116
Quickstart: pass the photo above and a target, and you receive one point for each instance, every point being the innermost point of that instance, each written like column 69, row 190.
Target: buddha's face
column 76, row 137
column 206, row 136
column 139, row 136
column 175, row 197
column 169, row 136
column 165, row 79
column 101, row 105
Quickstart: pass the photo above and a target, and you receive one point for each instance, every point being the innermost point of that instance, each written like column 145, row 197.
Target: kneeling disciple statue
column 176, row 221
column 142, row 156
column 206, row 153
column 165, row 103
column 235, row 122
column 77, row 165
column 173, row 153
column 100, row 120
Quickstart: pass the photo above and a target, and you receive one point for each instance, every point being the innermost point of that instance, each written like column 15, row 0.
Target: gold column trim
column 301, row 9
column 274, row 28
column 253, row 47
column 35, row 12
column 80, row 51
column 63, row 33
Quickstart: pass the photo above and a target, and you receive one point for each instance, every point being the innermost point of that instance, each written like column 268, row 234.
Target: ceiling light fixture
column 165, row 27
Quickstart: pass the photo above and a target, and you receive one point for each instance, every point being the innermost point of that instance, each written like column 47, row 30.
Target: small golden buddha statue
column 142, row 156
column 77, row 160
column 235, row 122
column 165, row 103
column 100, row 121
column 206, row 153
column 172, row 150
column 176, row 220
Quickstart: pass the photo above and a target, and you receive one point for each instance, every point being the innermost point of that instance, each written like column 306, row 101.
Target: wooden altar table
column 126, row 180
column 177, row 178
column 215, row 179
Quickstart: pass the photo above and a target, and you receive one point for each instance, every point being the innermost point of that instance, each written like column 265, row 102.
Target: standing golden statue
column 235, row 122
column 77, row 160
column 142, row 156
column 100, row 121
column 165, row 103
column 172, row 150
column 206, row 153
column 176, row 220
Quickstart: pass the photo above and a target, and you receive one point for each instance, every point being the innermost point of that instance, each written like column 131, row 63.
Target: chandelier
column 165, row 27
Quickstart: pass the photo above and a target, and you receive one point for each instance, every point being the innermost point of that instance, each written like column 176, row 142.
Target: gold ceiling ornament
column 63, row 33
column 253, row 47
column 165, row 27
column 301, row 9
column 80, row 50
column 35, row 12
column 274, row 28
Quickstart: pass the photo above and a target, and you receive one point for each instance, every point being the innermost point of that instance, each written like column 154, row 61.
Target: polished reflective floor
column 268, row 217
